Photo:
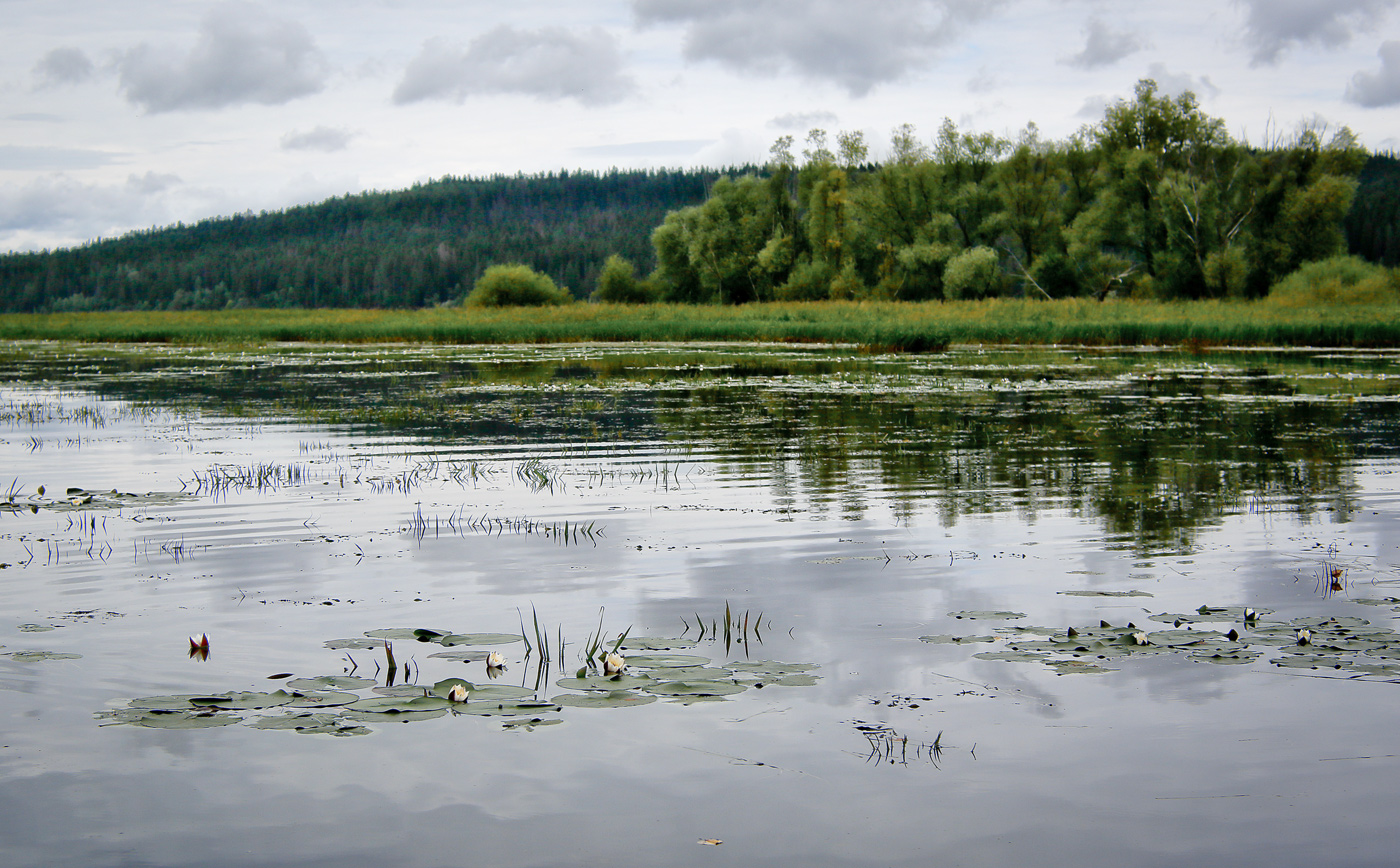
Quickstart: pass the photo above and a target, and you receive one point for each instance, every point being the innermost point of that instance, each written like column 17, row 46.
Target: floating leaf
column 696, row 688
column 39, row 656
column 321, row 699
column 648, row 661
column 398, row 704
column 353, row 644
column 615, row 699
column 606, row 683
column 404, row 633
column 36, row 628
column 322, row 682
column 1105, row 593
column 986, row 615
column 529, row 725
column 480, row 639
column 946, row 639
column 1012, row 656
column 771, row 668
column 649, row 643
column 244, row 701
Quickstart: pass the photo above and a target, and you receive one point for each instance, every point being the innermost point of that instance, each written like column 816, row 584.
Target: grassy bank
column 895, row 326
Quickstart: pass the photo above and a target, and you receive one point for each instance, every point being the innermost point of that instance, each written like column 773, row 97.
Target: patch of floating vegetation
column 350, row 704
column 15, row 501
column 1352, row 647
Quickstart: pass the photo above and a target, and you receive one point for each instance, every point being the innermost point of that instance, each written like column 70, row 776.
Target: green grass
column 877, row 325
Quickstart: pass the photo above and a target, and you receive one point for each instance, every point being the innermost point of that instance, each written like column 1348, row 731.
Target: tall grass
column 909, row 327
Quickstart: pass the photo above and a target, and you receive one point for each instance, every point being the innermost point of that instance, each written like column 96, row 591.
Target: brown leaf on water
column 713, row 842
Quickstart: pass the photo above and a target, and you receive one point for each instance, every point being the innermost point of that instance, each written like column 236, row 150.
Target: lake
column 985, row 607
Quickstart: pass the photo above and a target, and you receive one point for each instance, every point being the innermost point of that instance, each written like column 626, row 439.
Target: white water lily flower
column 613, row 664
column 1139, row 638
column 458, row 693
column 1305, row 637
column 495, row 660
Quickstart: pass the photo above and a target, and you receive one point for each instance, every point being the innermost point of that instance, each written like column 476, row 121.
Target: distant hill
column 428, row 244
column 409, row 248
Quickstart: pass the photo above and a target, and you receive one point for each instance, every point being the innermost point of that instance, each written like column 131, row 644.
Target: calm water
column 851, row 505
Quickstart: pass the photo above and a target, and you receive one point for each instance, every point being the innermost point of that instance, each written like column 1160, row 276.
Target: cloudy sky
column 125, row 114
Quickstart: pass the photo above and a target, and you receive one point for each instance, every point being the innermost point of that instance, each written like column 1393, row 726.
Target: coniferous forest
column 1155, row 200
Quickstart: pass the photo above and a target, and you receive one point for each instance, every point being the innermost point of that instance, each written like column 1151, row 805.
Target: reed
column 906, row 327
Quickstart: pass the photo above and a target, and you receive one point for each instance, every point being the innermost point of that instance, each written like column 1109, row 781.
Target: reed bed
column 908, row 327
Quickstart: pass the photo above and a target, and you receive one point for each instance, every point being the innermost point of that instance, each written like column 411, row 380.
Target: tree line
column 411, row 248
column 1156, row 200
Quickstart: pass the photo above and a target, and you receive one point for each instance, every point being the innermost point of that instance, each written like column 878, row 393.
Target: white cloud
column 1273, row 26
column 321, row 138
column 804, row 121
column 49, row 159
column 62, row 66
column 548, row 63
column 242, row 56
column 1104, row 46
column 1377, row 89
column 1177, row 83
column 59, row 206
column 822, row 40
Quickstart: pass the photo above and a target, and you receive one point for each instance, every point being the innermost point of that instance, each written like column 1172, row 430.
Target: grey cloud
column 1377, row 89
column 1273, row 26
column 818, row 39
column 241, row 56
column 324, row 139
column 549, row 63
column 57, row 204
column 63, row 66
column 1177, row 83
column 804, row 120
column 25, row 158
column 1104, row 46
column 659, row 148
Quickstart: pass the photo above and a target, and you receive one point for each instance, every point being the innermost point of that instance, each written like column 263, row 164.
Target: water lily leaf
column 986, row 615
column 408, row 690
column 321, row 699
column 615, row 699
column 403, row 633
column 1307, row 661
column 801, row 679
column 1178, row 638
column 1371, row 601
column 353, row 644
column 946, row 639
column 1013, row 656
column 688, row 673
column 322, row 682
column 479, row 639
column 461, row 656
column 649, row 643
column 394, row 716
column 607, row 683
column 1076, row 667
column 505, row 708
column 1105, row 593
column 647, row 661
column 36, row 628
column 493, row 692
column 529, row 725
column 771, row 668
column 398, row 704
column 1242, row 655
column 696, row 688
column 39, row 656
column 301, row 721
column 244, row 701
column 157, row 719
column 170, row 702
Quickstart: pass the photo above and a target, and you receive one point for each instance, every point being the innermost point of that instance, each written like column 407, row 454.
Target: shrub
column 1339, row 280
column 618, row 284
column 515, row 285
column 808, row 281
column 974, row 273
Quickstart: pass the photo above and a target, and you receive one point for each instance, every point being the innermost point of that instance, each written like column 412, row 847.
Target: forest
column 1155, row 200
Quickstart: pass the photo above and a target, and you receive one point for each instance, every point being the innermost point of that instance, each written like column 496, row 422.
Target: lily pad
column 771, row 668
column 322, row 682
column 353, row 644
column 243, row 701
column 1011, row 656
column 190, row 719
column 460, row 656
column 403, row 633
column 322, row 699
column 947, row 639
column 398, row 704
column 479, row 639
column 507, row 708
column 647, row 661
column 36, row 628
column 531, row 724
column 615, row 699
column 1076, row 667
column 652, row 643
column 1105, row 593
column 983, row 615
column 696, row 688
column 605, row 683
column 39, row 656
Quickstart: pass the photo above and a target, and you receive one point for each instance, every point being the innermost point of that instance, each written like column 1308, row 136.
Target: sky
column 118, row 115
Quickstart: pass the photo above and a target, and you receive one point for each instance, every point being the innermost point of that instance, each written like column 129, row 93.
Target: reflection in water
column 785, row 504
